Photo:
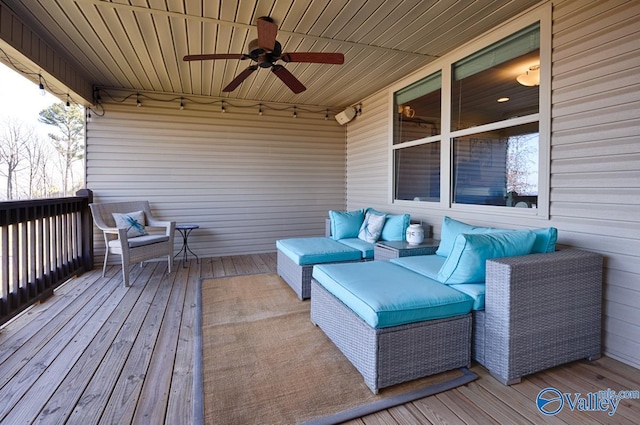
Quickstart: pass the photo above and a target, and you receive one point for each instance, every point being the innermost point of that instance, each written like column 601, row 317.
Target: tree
column 69, row 141
column 14, row 139
column 522, row 164
column 38, row 185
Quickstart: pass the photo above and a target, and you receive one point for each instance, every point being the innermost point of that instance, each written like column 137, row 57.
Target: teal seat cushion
column 545, row 240
column 426, row 265
column 466, row 262
column 346, row 224
column 363, row 246
column 475, row 291
column 305, row 251
column 384, row 294
column 452, row 228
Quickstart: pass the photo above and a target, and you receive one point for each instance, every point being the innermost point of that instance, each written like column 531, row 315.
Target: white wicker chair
column 137, row 249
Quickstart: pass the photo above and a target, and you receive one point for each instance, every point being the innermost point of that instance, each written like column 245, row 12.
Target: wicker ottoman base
column 396, row 354
column 297, row 277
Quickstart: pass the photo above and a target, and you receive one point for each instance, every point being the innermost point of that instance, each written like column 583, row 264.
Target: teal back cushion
column 452, row 228
column 346, row 224
column 395, row 227
column 545, row 240
column 466, row 262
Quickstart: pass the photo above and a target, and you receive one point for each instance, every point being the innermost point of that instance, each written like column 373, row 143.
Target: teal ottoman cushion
column 305, row 251
column 384, row 294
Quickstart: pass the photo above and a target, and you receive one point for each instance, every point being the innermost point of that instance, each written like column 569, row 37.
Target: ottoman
column 394, row 325
column 297, row 256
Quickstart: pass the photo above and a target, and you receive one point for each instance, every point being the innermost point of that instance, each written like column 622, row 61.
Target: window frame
column 445, row 64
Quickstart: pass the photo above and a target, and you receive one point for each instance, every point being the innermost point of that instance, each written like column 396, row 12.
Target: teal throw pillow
column 467, row 260
column 545, row 240
column 395, row 228
column 452, row 228
column 346, row 224
column 371, row 227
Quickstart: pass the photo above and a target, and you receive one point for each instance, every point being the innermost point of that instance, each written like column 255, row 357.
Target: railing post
column 87, row 229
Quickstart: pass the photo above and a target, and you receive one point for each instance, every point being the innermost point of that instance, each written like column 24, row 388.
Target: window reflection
column 418, row 173
column 497, row 168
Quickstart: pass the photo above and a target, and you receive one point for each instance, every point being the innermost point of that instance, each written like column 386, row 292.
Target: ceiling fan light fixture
column 266, row 51
column 531, row 77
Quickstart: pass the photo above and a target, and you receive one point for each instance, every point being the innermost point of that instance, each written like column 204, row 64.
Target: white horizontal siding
column 596, row 115
column 595, row 156
column 246, row 180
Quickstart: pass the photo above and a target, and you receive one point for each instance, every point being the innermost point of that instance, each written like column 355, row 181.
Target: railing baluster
column 43, row 243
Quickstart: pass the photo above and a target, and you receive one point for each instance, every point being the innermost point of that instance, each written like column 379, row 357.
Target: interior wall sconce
column 406, row 111
column 531, row 77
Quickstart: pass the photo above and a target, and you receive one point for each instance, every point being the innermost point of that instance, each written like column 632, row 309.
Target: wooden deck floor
column 98, row 353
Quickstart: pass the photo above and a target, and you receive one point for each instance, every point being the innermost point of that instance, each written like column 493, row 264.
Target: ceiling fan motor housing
column 265, row 59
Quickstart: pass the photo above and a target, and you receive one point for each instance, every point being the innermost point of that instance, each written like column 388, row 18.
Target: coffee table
column 386, row 250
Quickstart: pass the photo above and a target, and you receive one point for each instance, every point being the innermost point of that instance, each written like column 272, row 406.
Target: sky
column 21, row 99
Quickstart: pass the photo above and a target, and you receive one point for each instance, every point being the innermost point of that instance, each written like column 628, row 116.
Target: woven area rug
column 264, row 362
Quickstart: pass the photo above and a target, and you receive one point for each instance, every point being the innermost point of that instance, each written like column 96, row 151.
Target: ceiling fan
column 266, row 51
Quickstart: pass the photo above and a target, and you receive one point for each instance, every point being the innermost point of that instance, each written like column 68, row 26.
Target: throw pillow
column 466, row 262
column 395, row 228
column 133, row 222
column 371, row 227
column 346, row 224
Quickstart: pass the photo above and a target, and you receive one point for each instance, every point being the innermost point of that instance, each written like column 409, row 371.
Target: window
column 486, row 147
column 418, row 118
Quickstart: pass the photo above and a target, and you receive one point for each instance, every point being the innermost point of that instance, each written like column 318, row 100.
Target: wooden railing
column 43, row 243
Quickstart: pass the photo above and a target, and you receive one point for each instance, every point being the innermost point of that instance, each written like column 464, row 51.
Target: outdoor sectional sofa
column 505, row 298
column 349, row 237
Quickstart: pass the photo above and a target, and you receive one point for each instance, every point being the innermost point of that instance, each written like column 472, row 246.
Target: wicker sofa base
column 389, row 356
column 541, row 311
column 297, row 277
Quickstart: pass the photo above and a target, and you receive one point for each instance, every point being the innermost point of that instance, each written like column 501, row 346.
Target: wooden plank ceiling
column 138, row 45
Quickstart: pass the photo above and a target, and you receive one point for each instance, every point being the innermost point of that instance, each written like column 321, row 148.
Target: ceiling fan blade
column 214, row 56
column 314, row 57
column 267, row 32
column 240, row 78
column 292, row 82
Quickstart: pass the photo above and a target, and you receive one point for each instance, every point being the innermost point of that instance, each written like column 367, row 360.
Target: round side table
column 185, row 230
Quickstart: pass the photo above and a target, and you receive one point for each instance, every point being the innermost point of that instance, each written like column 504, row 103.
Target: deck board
column 97, row 352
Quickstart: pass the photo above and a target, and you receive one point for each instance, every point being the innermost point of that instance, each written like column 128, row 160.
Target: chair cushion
column 475, row 291
column 366, row 248
column 133, row 222
column 384, row 294
column 426, row 265
column 140, row 241
column 395, row 228
column 371, row 227
column 452, row 228
column 305, row 251
column 346, row 224
column 466, row 262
